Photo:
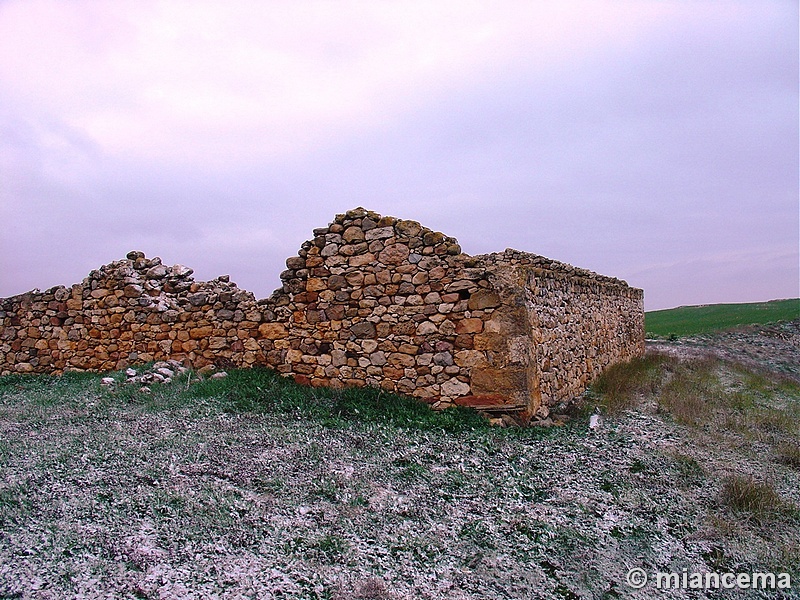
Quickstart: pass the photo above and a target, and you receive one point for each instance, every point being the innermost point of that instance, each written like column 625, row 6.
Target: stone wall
column 370, row 300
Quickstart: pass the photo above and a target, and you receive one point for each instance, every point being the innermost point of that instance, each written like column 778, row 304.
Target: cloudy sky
column 651, row 140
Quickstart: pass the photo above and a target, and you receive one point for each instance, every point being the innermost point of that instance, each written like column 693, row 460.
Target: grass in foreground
column 621, row 386
column 251, row 486
column 257, row 391
column 691, row 320
column 261, row 390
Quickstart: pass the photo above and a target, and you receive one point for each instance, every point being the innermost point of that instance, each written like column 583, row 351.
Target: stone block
column 507, row 381
column 379, row 233
column 353, row 234
column 471, row 325
column 364, row 329
column 315, row 284
column 470, row 358
column 483, row 299
column 427, row 328
column 454, row 388
column 486, row 401
column 393, row 254
column 272, row 331
column 360, row 260
column 408, row 228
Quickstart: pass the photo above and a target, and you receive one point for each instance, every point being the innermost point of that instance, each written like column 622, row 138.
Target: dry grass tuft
column 743, row 493
column 621, row 384
column 788, row 453
column 692, row 392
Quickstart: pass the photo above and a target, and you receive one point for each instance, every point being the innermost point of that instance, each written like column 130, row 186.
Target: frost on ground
column 103, row 497
column 773, row 348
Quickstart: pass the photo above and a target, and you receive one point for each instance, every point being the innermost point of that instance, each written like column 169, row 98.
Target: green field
column 690, row 320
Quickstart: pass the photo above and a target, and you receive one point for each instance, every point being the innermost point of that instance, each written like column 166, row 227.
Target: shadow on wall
column 370, row 300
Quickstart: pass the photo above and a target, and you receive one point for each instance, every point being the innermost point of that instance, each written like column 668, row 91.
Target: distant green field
column 689, row 320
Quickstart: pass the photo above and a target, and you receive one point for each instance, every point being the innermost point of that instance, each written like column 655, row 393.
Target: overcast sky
column 651, row 140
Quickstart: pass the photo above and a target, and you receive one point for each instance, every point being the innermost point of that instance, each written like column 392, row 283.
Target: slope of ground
column 691, row 320
column 771, row 348
column 251, row 487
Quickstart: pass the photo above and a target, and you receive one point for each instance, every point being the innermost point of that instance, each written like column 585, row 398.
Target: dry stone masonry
column 370, row 300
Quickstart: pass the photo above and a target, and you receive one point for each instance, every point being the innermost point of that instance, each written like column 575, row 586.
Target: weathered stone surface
column 408, row 228
column 360, row 260
column 198, row 299
column 484, row 299
column 470, row 358
column 316, row 284
column 379, row 233
column 394, row 254
column 353, row 234
column 336, row 282
column 378, row 358
column 505, row 381
column 157, row 272
column 364, row 329
column 427, row 328
column 455, row 388
column 295, row 262
column 272, row 331
column 469, row 326
column 199, row 333
column 483, row 401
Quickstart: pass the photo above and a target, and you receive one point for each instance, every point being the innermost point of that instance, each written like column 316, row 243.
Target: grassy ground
column 691, row 320
column 252, row 487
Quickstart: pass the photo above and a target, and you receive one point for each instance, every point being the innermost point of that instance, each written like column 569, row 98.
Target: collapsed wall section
column 130, row 311
column 370, row 300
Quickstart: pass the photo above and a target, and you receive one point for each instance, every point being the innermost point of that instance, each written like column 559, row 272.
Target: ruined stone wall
column 130, row 311
column 370, row 300
column 383, row 302
column 583, row 327
column 580, row 323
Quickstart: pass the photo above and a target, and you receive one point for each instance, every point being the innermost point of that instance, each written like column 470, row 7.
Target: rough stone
column 427, row 328
column 364, row 329
column 157, row 272
column 483, row 299
column 353, row 234
column 379, row 233
column 455, row 388
column 272, row 331
column 472, row 325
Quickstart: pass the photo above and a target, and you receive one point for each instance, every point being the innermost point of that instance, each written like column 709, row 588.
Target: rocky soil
column 771, row 348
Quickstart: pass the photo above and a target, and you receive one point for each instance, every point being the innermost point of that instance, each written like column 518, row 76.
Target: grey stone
column 156, row 272
column 379, row 233
column 198, row 299
column 455, row 388
column 443, row 359
column 181, row 271
column 364, row 329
